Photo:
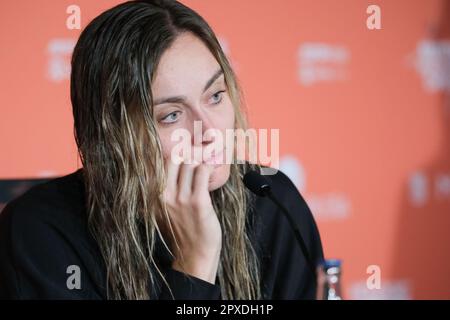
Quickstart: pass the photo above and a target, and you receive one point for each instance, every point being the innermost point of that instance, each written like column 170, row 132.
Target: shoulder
column 285, row 190
column 274, row 225
column 56, row 203
column 57, row 193
column 280, row 181
column 284, row 267
column 42, row 233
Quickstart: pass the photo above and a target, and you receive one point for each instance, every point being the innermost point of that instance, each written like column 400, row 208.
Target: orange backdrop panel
column 364, row 118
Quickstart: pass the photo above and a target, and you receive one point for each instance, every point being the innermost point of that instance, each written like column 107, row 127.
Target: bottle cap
column 331, row 263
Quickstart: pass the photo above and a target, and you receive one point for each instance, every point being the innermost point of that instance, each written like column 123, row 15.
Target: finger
column 201, row 180
column 172, row 170
column 185, row 182
column 197, row 154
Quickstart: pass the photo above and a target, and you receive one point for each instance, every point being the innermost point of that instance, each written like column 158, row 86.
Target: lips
column 216, row 159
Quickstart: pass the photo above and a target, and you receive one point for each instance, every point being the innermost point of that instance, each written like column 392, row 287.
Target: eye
column 217, row 97
column 171, row 117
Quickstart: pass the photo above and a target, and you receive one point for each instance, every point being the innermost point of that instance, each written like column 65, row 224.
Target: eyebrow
column 181, row 99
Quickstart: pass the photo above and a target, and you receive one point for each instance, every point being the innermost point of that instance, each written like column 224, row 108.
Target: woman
column 133, row 223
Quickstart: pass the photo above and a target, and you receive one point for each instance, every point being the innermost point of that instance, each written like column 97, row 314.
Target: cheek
column 225, row 120
column 166, row 143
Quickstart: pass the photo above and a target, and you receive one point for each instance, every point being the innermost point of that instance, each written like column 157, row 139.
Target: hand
column 195, row 223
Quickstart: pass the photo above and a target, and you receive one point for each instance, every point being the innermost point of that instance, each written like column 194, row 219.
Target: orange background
column 369, row 144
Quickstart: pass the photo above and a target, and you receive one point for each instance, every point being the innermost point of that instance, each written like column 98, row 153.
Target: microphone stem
column 297, row 234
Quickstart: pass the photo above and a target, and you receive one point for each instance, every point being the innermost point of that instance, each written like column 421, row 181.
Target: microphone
column 260, row 185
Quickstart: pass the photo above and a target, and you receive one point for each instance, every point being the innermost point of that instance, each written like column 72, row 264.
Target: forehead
column 184, row 67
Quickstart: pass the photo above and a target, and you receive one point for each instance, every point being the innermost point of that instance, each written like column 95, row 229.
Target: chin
column 219, row 177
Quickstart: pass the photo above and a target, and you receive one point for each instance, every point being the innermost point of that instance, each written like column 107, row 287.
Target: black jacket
column 44, row 232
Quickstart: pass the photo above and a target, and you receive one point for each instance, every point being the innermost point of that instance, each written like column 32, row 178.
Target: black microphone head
column 257, row 183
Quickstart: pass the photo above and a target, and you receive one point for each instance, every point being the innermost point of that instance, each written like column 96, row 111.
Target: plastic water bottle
column 329, row 280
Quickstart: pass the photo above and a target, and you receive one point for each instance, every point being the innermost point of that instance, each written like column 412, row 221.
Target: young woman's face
column 188, row 71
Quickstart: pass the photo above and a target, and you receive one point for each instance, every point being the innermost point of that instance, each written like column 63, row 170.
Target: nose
column 202, row 123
